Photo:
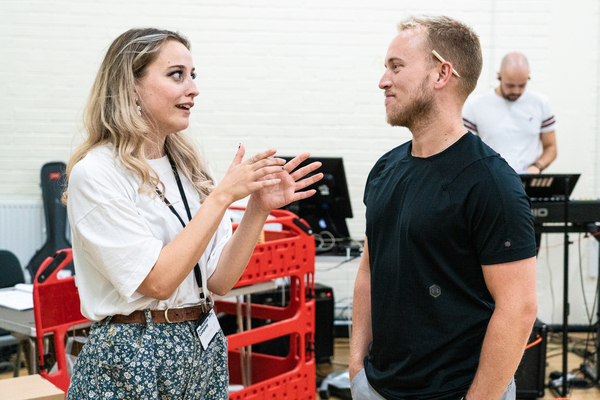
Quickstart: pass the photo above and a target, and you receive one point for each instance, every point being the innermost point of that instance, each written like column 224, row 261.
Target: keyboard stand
column 557, row 187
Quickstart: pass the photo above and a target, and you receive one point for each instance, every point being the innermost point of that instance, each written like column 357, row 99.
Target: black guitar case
column 52, row 181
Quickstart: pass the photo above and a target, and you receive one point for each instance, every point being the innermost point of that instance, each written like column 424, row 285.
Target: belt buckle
column 167, row 310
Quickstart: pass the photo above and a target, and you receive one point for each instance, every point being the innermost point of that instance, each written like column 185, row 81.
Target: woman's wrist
column 221, row 197
column 254, row 207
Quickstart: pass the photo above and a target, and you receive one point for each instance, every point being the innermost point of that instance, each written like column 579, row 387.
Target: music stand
column 556, row 187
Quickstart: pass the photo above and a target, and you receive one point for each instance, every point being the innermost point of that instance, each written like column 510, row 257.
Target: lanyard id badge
column 208, row 328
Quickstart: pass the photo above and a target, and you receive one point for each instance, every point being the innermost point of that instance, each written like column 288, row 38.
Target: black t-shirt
column 431, row 224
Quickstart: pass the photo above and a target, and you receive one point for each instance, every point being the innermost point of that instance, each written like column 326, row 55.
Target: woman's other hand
column 276, row 187
column 258, row 172
column 289, row 182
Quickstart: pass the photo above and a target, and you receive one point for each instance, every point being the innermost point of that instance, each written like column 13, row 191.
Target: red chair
column 57, row 308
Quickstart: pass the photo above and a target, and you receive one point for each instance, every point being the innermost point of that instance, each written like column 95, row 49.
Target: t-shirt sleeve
column 119, row 245
column 500, row 217
column 367, row 185
column 469, row 116
column 114, row 238
column 375, row 173
column 548, row 120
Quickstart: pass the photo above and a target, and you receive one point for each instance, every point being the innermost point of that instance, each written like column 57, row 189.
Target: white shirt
column 512, row 128
column 118, row 234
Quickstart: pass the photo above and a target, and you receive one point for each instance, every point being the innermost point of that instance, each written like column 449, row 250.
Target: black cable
column 340, row 264
column 586, row 354
column 587, row 308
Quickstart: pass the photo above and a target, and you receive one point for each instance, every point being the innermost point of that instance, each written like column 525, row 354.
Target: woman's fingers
column 239, row 156
column 301, row 184
column 294, row 162
column 274, row 164
column 296, row 175
column 264, row 184
column 264, row 171
column 264, row 158
column 304, row 195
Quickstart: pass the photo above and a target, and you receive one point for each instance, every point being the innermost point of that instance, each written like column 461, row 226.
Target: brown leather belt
column 169, row 315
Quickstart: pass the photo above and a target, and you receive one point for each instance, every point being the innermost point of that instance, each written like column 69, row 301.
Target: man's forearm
column 361, row 317
column 502, row 350
column 549, row 151
column 545, row 159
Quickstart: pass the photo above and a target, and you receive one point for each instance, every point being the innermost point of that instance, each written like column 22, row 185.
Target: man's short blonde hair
column 456, row 42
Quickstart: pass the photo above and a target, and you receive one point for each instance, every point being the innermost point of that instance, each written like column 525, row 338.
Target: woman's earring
column 139, row 109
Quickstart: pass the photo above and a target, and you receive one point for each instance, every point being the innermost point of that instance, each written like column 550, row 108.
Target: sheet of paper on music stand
column 549, row 186
column 20, row 298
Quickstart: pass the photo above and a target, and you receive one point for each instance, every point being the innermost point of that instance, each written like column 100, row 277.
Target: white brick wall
column 297, row 76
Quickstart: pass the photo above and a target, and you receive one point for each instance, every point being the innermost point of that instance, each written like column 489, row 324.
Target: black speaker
column 531, row 374
column 324, row 313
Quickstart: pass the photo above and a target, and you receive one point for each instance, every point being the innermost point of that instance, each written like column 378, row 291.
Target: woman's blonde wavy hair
column 111, row 117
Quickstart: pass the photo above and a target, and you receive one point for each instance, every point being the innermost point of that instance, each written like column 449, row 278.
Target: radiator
column 22, row 227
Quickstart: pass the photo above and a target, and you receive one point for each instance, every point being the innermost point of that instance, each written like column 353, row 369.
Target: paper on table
column 20, row 298
column 25, row 287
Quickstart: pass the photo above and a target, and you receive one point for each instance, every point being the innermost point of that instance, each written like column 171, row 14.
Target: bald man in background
column 516, row 122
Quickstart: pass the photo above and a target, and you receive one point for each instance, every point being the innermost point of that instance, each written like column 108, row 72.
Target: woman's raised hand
column 287, row 184
column 258, row 172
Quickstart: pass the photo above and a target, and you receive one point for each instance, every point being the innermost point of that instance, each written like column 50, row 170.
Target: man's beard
column 414, row 112
column 507, row 96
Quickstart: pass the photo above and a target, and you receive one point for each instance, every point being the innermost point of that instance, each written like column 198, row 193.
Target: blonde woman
column 151, row 234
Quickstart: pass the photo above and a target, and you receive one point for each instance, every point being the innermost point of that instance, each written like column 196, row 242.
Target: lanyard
column 197, row 272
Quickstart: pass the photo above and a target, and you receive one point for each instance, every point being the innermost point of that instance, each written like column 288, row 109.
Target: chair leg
column 18, row 363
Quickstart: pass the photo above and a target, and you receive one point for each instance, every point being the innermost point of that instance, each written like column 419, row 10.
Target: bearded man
column 515, row 121
column 445, row 296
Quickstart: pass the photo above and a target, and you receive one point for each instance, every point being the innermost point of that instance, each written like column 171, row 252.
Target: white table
column 21, row 324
